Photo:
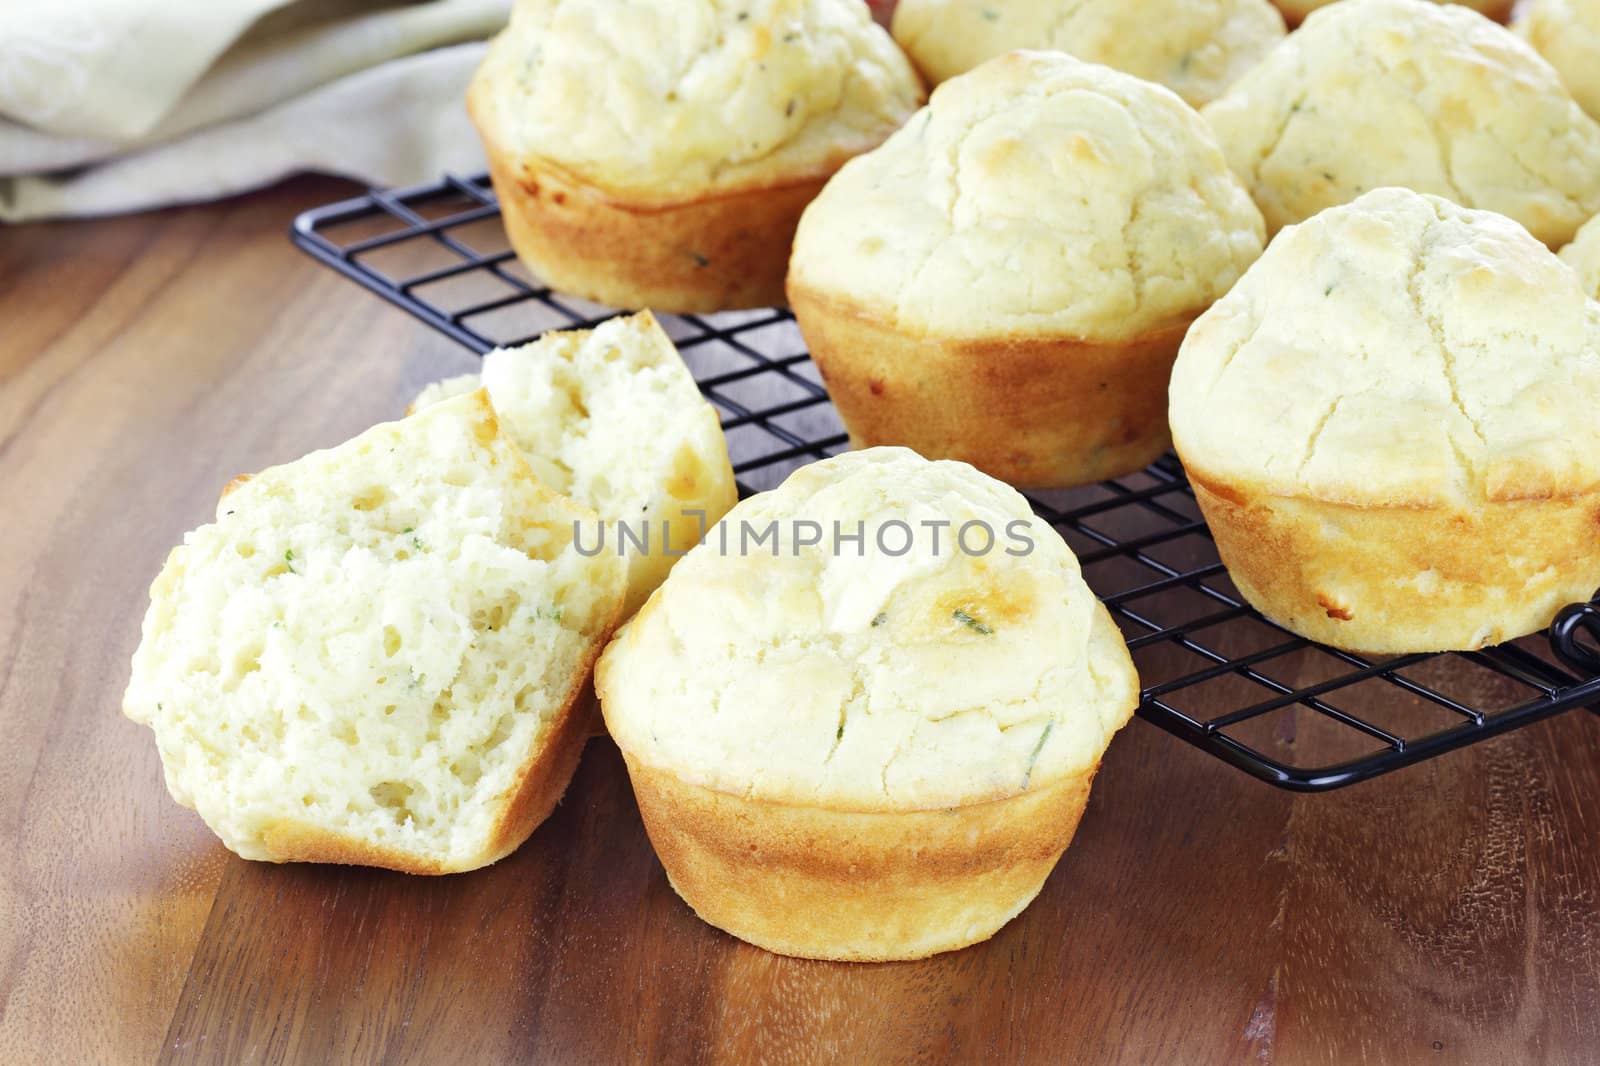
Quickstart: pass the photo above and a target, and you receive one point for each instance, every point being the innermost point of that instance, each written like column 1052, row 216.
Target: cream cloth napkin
column 117, row 105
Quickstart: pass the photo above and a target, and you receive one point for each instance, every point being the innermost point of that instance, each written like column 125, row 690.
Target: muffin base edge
column 1399, row 580
column 852, row 886
column 1036, row 412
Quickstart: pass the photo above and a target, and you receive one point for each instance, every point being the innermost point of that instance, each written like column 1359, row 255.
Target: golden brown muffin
column 874, row 754
column 652, row 154
column 1196, row 48
column 1392, row 424
column 1431, row 97
column 1007, row 279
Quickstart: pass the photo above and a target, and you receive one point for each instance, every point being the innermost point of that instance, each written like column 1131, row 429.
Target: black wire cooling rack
column 1217, row 674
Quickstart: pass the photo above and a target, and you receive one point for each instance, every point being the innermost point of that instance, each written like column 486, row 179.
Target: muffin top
column 1399, row 350
column 1583, row 256
column 1433, row 97
column 1567, row 33
column 1035, row 195
column 661, row 101
column 1196, row 48
column 912, row 672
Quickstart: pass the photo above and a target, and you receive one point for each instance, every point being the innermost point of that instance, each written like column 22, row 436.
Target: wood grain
column 1445, row 913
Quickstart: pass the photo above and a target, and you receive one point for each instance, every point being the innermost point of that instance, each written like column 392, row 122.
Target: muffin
column 1583, row 256
column 1196, row 48
column 611, row 418
column 1297, row 10
column 372, row 655
column 1006, row 280
column 1392, row 425
column 1432, row 97
column 1567, row 33
column 648, row 154
column 873, row 748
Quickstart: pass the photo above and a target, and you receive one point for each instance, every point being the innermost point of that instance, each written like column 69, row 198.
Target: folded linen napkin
column 108, row 106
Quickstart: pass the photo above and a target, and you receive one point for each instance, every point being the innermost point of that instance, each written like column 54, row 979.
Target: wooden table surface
column 1447, row 913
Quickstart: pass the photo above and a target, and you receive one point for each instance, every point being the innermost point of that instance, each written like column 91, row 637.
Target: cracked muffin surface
column 1433, row 97
column 658, row 154
column 1567, row 33
column 1400, row 350
column 1392, row 427
column 932, row 678
column 1035, row 194
column 1196, row 48
column 661, row 102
